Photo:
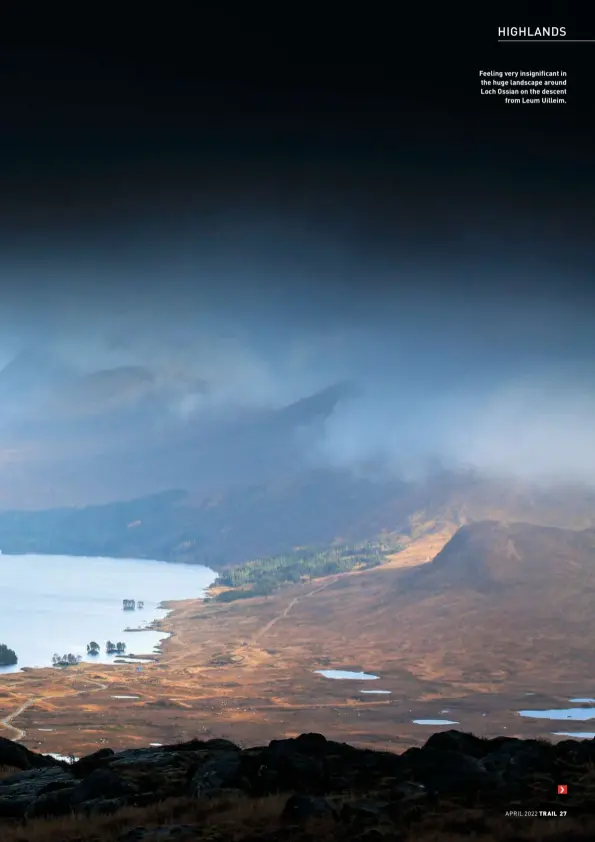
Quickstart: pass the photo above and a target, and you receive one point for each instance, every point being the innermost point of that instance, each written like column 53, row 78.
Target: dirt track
column 246, row 671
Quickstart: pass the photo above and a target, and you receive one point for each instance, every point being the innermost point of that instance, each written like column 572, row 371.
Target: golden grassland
column 246, row 671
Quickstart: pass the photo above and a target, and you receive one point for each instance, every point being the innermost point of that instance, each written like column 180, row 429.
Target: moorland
column 468, row 623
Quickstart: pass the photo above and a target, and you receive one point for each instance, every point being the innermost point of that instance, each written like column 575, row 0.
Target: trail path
column 19, row 732
column 290, row 606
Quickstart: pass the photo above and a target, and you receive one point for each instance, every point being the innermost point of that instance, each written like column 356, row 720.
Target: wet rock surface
column 355, row 791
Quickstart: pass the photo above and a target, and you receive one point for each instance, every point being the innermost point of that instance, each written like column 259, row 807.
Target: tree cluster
column 262, row 576
column 7, row 656
column 66, row 660
column 115, row 648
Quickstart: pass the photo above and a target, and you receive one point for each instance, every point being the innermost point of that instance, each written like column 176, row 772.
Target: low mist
column 460, row 361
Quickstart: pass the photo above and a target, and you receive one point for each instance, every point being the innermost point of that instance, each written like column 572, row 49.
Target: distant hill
column 499, row 603
column 314, row 508
column 503, row 609
column 497, row 559
column 84, row 455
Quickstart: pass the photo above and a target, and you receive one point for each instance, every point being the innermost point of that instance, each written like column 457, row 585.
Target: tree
column 120, row 647
column 67, row 660
column 7, row 656
column 92, row 648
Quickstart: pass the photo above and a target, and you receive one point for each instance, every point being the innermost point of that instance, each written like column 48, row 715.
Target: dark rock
column 407, row 789
column 191, row 745
column 373, row 834
column 151, row 757
column 14, row 754
column 54, row 803
column 221, row 745
column 311, row 743
column 458, row 741
column 294, row 770
column 102, row 783
column 175, row 833
column 448, row 772
column 24, row 787
column 299, row 808
column 364, row 811
column 83, row 767
column 385, row 793
column 13, row 808
column 100, row 806
column 223, row 770
column 55, row 786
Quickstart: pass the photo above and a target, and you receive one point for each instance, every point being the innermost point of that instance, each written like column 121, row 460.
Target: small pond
column 346, row 674
column 563, row 713
column 577, row 735
column 434, row 722
column 376, row 692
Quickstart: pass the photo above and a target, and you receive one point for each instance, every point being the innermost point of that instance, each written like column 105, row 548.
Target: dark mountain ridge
column 85, row 455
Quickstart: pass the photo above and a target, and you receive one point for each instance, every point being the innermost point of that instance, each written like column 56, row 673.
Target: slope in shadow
column 494, row 557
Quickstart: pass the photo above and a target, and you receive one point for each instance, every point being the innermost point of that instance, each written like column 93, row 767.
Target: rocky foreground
column 306, row 788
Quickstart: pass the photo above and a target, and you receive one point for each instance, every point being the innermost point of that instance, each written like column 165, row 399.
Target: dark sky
column 221, row 103
column 360, row 126
column 327, row 188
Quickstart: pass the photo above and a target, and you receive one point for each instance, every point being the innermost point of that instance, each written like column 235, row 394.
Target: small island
column 68, row 660
column 115, row 648
column 8, row 656
column 131, row 604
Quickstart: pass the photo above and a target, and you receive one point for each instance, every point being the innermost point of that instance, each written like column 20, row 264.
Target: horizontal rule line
column 546, row 41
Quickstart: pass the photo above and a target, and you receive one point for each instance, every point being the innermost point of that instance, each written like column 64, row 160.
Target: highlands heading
column 531, row 32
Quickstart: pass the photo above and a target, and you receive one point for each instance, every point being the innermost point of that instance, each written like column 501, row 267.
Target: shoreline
column 244, row 670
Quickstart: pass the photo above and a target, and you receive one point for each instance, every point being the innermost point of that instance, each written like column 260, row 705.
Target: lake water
column 435, row 722
column 346, row 674
column 57, row 604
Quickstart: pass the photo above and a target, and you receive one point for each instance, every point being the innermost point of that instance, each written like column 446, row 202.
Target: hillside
column 128, row 461
column 502, row 611
column 501, row 606
column 305, row 509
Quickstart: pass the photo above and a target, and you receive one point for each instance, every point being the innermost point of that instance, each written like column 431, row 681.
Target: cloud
column 475, row 356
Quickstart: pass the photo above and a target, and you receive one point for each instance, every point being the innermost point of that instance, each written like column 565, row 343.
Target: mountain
column 206, row 480
column 501, row 607
column 129, row 432
column 500, row 559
